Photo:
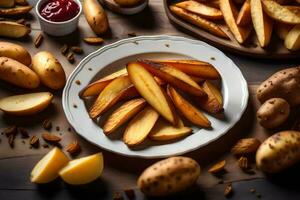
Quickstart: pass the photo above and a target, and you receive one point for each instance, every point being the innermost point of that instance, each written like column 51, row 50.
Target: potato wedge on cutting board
column 292, row 40
column 140, row 126
column 13, row 29
column 122, row 114
column 244, row 17
column 151, row 91
column 188, row 110
column 19, row 10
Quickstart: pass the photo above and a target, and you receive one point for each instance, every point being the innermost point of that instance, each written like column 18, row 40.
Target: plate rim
column 81, row 64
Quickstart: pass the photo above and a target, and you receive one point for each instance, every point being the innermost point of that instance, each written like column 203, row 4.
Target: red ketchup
column 59, row 10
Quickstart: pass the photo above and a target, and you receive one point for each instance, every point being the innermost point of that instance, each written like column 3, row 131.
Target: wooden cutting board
column 275, row 50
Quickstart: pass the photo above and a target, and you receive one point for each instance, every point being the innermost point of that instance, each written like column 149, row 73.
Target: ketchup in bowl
column 59, row 10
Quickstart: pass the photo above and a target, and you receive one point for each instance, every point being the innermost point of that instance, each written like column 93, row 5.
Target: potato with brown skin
column 128, row 3
column 18, row 74
column 273, row 113
column 16, row 52
column 279, row 152
column 13, row 29
column 49, row 70
column 169, row 176
column 283, row 84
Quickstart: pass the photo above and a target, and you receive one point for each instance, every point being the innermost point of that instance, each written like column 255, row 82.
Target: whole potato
column 273, row 112
column 169, row 176
column 49, row 70
column 128, row 3
column 18, row 74
column 16, row 52
column 95, row 16
column 283, row 84
column 279, row 151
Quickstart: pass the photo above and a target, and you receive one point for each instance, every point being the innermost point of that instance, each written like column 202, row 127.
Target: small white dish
column 58, row 28
column 113, row 57
column 110, row 4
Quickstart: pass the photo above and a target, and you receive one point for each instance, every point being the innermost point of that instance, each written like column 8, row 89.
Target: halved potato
column 280, row 13
column 13, row 29
column 282, row 30
column 199, row 21
column 26, row 104
column 173, row 76
column 19, row 10
column 83, row 170
column 230, row 14
column 16, row 52
column 244, row 17
column 47, row 168
column 140, row 126
column 151, row 91
column 292, row 40
column 200, row 9
column 188, row 110
column 96, row 87
column 214, row 101
column 163, row 130
column 123, row 114
column 262, row 23
column 113, row 92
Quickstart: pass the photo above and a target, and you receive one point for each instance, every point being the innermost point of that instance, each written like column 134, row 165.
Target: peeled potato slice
column 26, row 104
column 83, row 170
column 47, row 168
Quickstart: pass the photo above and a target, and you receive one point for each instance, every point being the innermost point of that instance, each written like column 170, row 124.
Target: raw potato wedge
column 199, row 21
column 282, row 30
column 163, row 130
column 200, row 9
column 280, row 13
column 109, row 96
column 7, row 3
column 174, row 77
column 292, row 40
column 140, row 126
column 19, row 10
column 244, row 17
column 96, row 87
column 263, row 25
column 194, row 68
column 26, row 104
column 188, row 110
column 230, row 14
column 214, row 101
column 16, row 52
column 13, row 29
column 151, row 91
column 122, row 114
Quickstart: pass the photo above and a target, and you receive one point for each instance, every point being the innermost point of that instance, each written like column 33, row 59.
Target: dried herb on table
column 24, row 132
column 64, row 49
column 11, row 140
column 71, row 58
column 12, row 130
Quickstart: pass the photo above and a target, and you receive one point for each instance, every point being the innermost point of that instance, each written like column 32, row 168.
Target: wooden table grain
column 121, row 172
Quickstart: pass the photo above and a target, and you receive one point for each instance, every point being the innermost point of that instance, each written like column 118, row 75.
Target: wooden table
column 121, row 172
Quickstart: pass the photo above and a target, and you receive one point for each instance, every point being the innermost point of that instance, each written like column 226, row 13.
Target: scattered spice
column 71, row 58
column 34, row 141
column 167, row 45
column 64, row 49
column 69, row 129
column 245, row 146
column 129, row 193
column 90, row 69
column 131, row 34
column 74, row 148
column 74, row 105
column 218, row 167
column 117, row 196
column 24, row 132
column 93, row 40
column 45, row 146
column 243, row 163
column 21, row 21
column 57, row 128
column 12, row 130
column 11, row 140
column 252, row 190
column 77, row 50
column 212, row 58
column 228, row 190
column 52, row 138
column 47, row 124
column 38, row 40
column 78, row 82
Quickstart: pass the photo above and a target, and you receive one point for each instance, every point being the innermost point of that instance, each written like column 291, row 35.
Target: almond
column 11, row 140
column 77, row 50
column 51, row 137
column 34, row 141
column 245, row 146
column 24, row 132
column 217, row 167
column 73, row 148
column 93, row 40
column 243, row 163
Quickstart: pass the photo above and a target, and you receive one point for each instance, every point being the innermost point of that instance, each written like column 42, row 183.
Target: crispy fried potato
column 244, row 17
column 188, row 110
column 140, row 126
column 294, row 9
column 214, row 101
column 230, row 14
column 13, row 29
column 282, row 30
column 122, row 114
column 7, row 3
column 199, row 21
column 292, row 40
column 201, row 9
column 280, row 13
column 20, row 10
column 263, row 25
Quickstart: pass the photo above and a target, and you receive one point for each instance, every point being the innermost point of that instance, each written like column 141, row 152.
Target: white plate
column 114, row 56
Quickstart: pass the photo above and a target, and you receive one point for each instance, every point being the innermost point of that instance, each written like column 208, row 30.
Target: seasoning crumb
column 11, row 140
column 57, row 128
column 77, row 50
column 252, row 190
column 47, row 124
column 71, row 58
column 24, row 132
column 258, row 195
column 23, row 141
column 212, row 58
column 90, row 69
column 117, row 196
column 74, row 105
column 131, row 34
column 129, row 193
column 69, row 129
column 64, row 49
column 12, row 130
column 228, row 190
column 167, row 45
column 45, row 146
column 78, row 82
column 34, row 141
column 38, row 40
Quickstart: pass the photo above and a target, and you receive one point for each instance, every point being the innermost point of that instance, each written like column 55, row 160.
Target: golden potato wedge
column 16, row 52
column 13, row 29
column 140, row 126
column 96, row 87
column 19, row 10
column 122, row 114
column 110, row 95
column 197, row 79
column 280, row 13
column 201, row 9
column 244, row 17
column 199, row 21
column 263, row 25
column 7, row 3
column 163, row 130
column 194, row 68
column 173, row 76
column 151, row 91
column 188, row 110
column 230, row 14
column 292, row 40
column 214, row 101
column 294, row 9
column 282, row 30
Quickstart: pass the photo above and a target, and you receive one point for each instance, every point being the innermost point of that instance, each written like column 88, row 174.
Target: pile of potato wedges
column 242, row 16
column 152, row 93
